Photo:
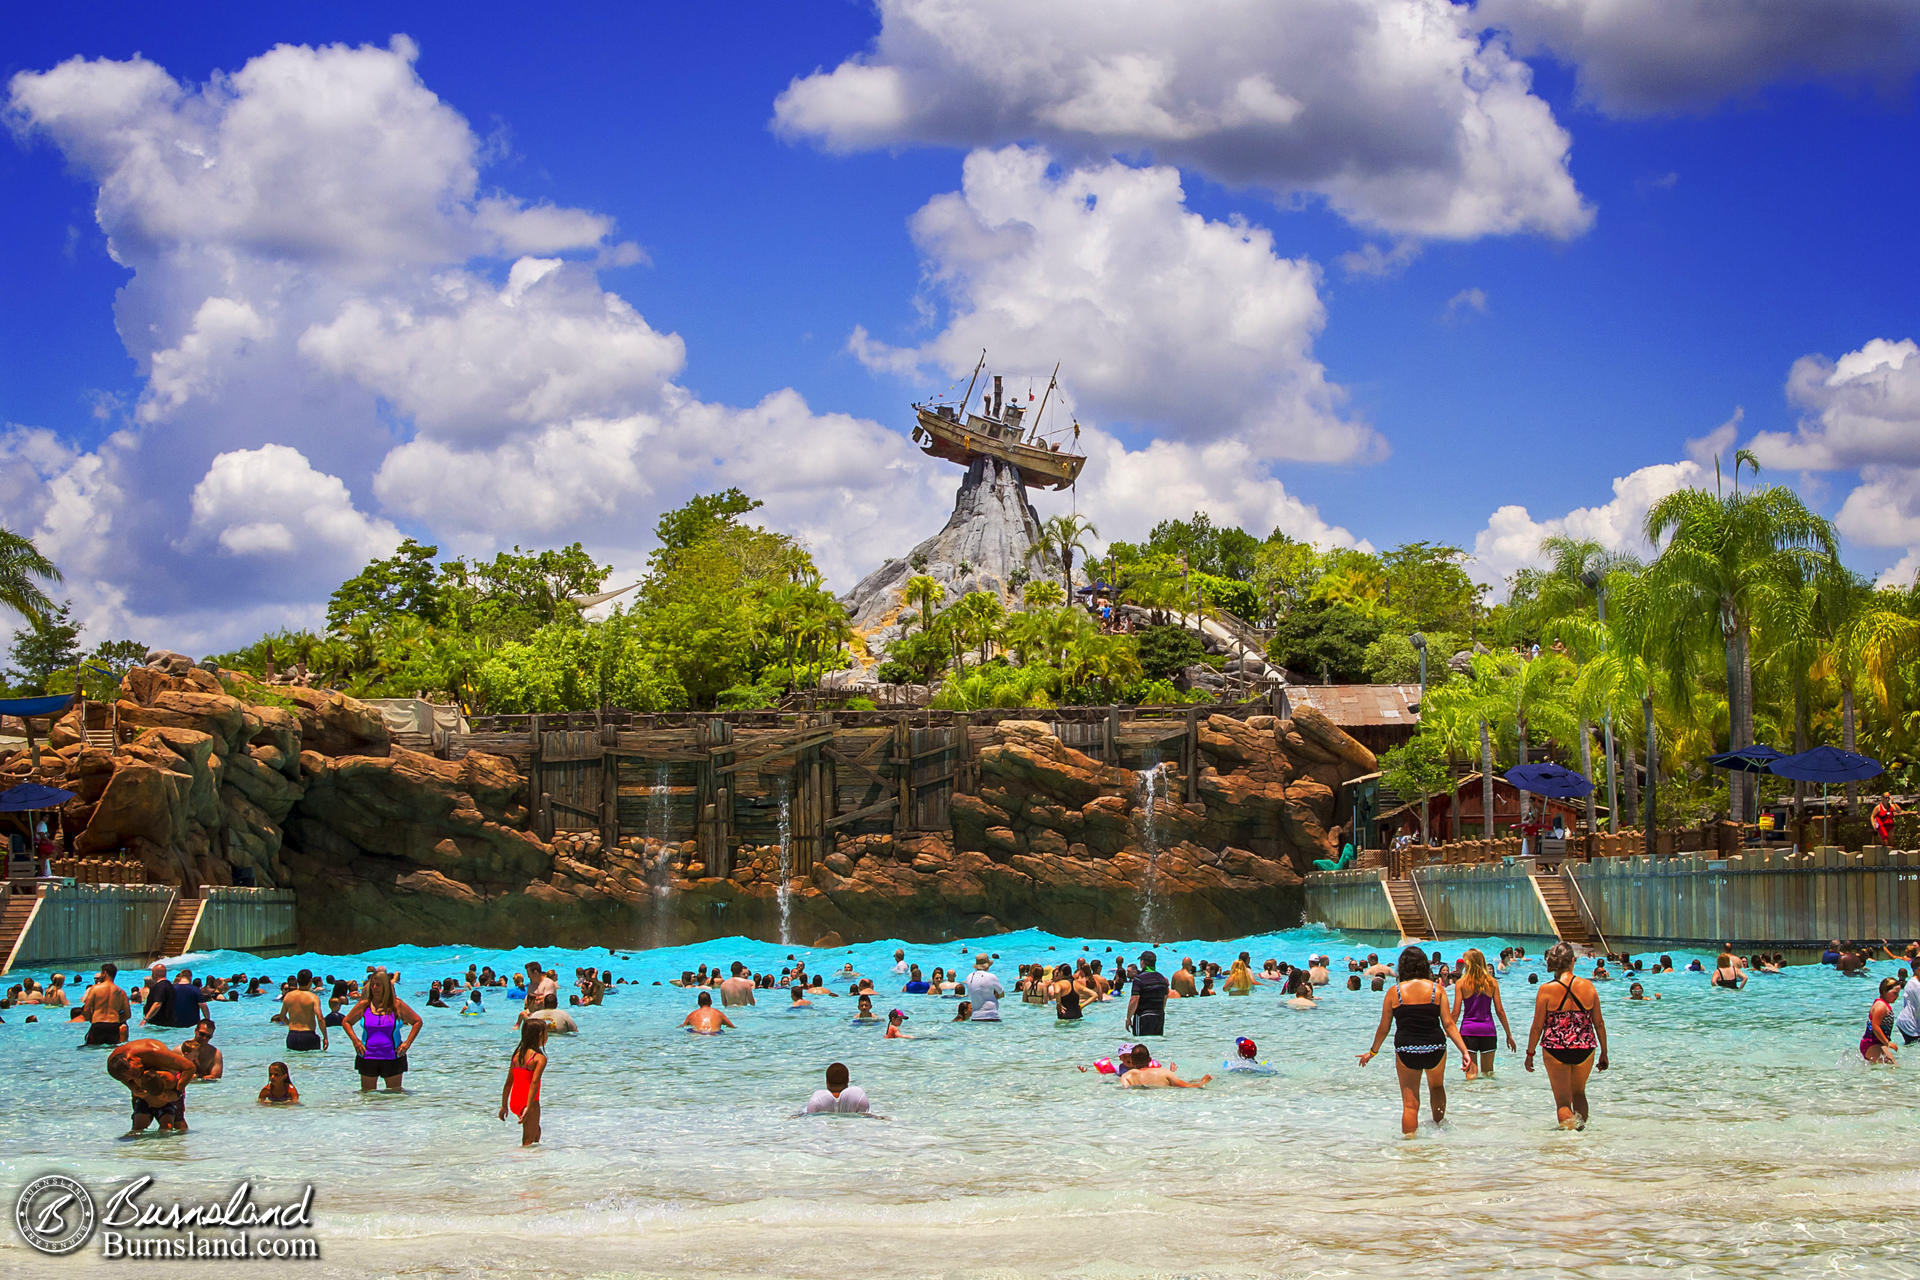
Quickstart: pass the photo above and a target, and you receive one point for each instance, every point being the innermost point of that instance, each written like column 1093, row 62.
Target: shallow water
column 1737, row 1134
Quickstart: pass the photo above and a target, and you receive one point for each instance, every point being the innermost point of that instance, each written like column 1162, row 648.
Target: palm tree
column 1061, row 537
column 1720, row 551
column 978, row 616
column 925, row 593
column 1867, row 637
column 22, row 568
column 1042, row 593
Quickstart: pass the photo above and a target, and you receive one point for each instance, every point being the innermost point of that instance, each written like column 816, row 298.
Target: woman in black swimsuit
column 1422, row 1026
column 1568, row 1025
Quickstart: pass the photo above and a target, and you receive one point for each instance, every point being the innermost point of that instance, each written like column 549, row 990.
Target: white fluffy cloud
column 337, row 154
column 1512, row 536
column 1861, row 412
column 1397, row 112
column 470, row 360
column 1158, row 316
column 340, row 331
column 1132, row 490
column 271, row 502
column 1863, row 408
column 1637, row 57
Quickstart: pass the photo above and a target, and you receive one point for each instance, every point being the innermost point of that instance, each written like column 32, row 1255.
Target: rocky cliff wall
column 388, row 846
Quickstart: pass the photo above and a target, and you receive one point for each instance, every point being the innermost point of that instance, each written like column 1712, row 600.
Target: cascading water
column 785, row 889
column 660, row 871
column 1147, row 801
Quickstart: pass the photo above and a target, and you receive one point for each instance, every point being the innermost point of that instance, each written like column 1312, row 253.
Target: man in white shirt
column 1907, row 1021
column 984, row 990
column 539, row 986
column 838, row 1097
column 900, row 961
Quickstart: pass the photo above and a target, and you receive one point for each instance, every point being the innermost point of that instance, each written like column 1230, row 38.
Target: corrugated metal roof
column 1359, row 704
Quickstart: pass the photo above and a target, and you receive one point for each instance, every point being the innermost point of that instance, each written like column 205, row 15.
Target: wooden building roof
column 1359, row 705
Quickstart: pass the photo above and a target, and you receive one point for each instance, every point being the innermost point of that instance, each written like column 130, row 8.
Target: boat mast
column 1040, row 417
column 966, row 402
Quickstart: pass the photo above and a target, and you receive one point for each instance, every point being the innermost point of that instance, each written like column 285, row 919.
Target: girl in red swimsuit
column 521, row 1092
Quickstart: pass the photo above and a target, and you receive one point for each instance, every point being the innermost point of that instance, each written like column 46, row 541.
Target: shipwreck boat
column 999, row 430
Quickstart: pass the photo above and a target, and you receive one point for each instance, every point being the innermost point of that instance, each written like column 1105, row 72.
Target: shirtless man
column 1182, row 979
column 1317, row 972
column 706, row 1020
column 737, row 990
column 306, row 1025
column 105, row 1008
column 157, row 1077
column 206, row 1060
column 1142, row 1076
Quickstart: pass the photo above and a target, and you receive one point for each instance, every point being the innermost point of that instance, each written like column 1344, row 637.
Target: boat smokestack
column 996, row 395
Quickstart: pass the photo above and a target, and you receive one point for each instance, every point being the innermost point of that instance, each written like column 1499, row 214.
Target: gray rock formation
column 993, row 532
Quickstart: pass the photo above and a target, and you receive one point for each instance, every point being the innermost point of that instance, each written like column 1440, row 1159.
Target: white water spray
column 1147, row 795
column 785, row 889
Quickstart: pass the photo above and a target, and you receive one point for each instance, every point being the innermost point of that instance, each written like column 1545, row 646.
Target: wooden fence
column 744, row 778
column 1772, row 899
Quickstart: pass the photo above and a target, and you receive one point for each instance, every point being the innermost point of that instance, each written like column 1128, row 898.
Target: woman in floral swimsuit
column 1567, row 1024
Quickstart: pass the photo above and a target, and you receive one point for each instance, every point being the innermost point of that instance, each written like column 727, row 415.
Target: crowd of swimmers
column 1427, row 1007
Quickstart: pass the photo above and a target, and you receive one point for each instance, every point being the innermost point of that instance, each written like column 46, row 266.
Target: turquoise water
column 1737, row 1134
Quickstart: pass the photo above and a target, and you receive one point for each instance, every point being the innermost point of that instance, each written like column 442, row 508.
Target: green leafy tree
column 516, row 593
column 1324, row 641
column 1719, row 551
column 1042, row 594
column 1061, row 539
column 923, row 594
column 703, row 516
column 1428, row 586
column 1416, row 770
column 51, row 643
column 406, row 583
column 1165, row 653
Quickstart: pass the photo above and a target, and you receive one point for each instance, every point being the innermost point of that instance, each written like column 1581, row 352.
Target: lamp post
column 1420, row 647
column 1598, row 585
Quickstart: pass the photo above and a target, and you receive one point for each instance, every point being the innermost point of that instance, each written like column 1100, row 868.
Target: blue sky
column 315, row 338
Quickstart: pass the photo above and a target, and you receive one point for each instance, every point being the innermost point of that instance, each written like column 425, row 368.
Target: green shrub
column 1165, row 652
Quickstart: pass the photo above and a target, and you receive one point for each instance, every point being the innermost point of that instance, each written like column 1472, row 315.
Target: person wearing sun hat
column 984, row 990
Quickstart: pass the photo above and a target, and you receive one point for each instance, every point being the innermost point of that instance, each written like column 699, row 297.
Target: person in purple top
column 1476, row 1002
column 379, row 1051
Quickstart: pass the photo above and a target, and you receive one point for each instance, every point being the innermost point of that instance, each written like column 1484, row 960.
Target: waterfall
column 660, row 869
column 785, row 890
column 1147, row 800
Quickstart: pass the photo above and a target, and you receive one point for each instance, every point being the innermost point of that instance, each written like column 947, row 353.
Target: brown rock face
column 389, row 846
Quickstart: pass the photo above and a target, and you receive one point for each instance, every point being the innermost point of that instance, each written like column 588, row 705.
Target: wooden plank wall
column 1781, row 901
column 725, row 775
column 1350, row 900
column 1482, row 902
column 93, row 922
column 238, row 919
column 1794, row 901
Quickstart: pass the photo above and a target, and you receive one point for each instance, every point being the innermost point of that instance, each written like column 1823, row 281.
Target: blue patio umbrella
column 1556, row 782
column 29, row 796
column 1827, row 765
column 1753, row 759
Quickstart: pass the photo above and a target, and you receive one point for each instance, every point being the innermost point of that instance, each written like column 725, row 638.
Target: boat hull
column 1040, row 467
